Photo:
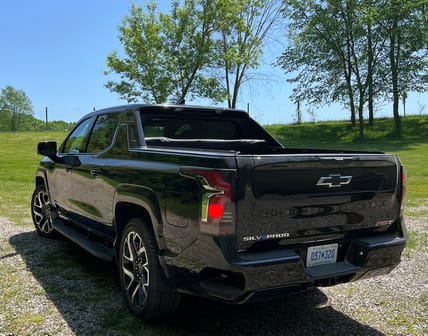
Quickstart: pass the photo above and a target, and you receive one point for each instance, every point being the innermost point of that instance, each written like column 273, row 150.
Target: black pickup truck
column 204, row 201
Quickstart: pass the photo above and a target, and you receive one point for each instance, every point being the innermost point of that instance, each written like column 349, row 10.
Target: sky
column 55, row 51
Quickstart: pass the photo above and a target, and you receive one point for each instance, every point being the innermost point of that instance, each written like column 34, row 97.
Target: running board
column 94, row 248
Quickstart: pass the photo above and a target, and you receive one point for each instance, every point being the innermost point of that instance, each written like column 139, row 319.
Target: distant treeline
column 29, row 123
column 16, row 114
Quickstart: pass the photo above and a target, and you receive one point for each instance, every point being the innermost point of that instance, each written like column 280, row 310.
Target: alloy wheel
column 135, row 269
column 42, row 212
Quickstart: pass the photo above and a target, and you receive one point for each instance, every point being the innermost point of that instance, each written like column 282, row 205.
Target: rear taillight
column 216, row 204
column 403, row 190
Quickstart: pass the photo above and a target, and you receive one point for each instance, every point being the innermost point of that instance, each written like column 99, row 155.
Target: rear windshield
column 177, row 128
column 190, row 129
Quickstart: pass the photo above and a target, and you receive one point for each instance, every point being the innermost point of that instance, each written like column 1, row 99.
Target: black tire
column 147, row 291
column 41, row 212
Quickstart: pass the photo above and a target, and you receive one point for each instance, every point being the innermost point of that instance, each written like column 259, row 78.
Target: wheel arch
column 126, row 210
column 42, row 179
column 136, row 201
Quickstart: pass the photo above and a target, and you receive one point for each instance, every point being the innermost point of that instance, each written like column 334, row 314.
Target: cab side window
column 103, row 133
column 77, row 140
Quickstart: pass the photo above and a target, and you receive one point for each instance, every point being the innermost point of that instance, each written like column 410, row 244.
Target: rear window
column 177, row 128
column 201, row 130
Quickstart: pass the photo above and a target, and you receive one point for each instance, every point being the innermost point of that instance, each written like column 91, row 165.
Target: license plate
column 321, row 255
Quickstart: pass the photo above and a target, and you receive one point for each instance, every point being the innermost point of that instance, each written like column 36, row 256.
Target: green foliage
column 201, row 49
column 139, row 35
column 15, row 107
column 31, row 124
column 166, row 54
column 354, row 51
column 57, row 125
column 16, row 114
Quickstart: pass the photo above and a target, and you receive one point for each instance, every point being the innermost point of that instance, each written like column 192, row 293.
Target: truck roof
column 160, row 108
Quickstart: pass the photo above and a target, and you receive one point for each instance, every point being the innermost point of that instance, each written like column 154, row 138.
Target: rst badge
column 334, row 181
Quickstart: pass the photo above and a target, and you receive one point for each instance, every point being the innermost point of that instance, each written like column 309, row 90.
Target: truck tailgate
column 284, row 198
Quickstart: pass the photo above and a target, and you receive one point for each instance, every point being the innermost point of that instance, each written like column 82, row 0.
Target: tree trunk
column 14, row 122
column 371, row 105
column 240, row 71
column 352, row 106
column 404, row 103
column 370, row 61
column 394, row 57
column 226, row 71
column 397, row 118
column 348, row 67
column 299, row 112
column 361, row 117
column 236, row 88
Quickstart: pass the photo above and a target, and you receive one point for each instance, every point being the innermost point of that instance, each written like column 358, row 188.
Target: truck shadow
column 82, row 288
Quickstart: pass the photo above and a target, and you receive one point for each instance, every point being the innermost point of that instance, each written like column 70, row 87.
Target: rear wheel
column 145, row 287
column 41, row 212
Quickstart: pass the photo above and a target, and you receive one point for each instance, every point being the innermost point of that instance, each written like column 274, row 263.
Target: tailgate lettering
column 266, row 236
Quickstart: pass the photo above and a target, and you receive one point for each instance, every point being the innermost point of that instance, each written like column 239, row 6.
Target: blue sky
column 56, row 52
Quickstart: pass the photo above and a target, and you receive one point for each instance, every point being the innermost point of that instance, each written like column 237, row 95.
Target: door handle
column 95, row 172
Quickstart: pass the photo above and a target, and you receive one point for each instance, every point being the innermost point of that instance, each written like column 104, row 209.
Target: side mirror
column 47, row 148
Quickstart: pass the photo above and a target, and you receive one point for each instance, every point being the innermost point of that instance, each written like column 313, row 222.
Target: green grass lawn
column 18, row 163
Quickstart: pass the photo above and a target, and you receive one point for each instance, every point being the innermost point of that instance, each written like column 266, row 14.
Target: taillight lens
column 403, row 190
column 215, row 211
column 216, row 204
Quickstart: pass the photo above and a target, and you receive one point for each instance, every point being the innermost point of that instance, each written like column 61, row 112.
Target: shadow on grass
column 87, row 293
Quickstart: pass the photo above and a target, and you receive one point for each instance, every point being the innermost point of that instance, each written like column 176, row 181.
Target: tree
column 15, row 107
column 328, row 50
column 406, row 66
column 243, row 27
column 299, row 115
column 166, row 55
column 351, row 51
column 203, row 48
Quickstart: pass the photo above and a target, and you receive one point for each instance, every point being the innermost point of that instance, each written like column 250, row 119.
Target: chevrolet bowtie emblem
column 334, row 181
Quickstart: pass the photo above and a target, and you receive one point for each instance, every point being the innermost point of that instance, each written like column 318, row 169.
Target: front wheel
column 41, row 212
column 145, row 287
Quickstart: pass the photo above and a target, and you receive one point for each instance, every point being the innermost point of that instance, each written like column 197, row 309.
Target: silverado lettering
column 266, row 236
column 203, row 201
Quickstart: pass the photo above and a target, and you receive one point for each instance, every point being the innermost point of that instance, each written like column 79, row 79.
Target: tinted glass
column 76, row 142
column 103, row 132
column 176, row 128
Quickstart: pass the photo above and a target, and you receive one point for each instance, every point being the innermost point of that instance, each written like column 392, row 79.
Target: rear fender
column 146, row 199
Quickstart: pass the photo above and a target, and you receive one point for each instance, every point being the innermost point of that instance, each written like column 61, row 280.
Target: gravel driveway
column 54, row 288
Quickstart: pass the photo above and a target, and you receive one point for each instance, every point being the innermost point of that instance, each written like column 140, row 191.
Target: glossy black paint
column 279, row 208
column 47, row 148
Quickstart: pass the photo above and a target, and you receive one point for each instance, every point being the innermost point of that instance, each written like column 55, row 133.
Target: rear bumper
column 255, row 275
